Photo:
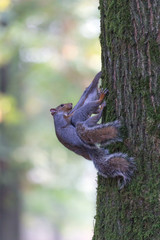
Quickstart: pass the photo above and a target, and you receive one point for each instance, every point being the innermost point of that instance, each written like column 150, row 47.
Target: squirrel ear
column 53, row 111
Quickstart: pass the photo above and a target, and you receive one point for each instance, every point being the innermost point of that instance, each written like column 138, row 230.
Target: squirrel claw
column 102, row 106
column 105, row 91
column 103, row 94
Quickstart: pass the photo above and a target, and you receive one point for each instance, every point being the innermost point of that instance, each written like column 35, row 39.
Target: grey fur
column 73, row 126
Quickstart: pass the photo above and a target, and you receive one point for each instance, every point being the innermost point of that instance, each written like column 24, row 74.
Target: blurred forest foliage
column 49, row 52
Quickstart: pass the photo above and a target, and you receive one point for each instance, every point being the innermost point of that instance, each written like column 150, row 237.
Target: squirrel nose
column 52, row 110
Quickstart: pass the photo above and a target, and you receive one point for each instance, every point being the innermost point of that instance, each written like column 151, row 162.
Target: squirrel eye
column 62, row 105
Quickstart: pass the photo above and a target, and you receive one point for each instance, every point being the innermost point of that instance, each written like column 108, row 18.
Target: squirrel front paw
column 103, row 93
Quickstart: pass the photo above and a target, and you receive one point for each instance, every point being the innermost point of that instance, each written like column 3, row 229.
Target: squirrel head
column 64, row 108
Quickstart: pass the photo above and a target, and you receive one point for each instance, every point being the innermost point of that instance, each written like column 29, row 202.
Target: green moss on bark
column 154, row 51
column 117, row 21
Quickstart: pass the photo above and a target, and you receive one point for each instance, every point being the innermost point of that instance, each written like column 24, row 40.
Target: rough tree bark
column 130, row 40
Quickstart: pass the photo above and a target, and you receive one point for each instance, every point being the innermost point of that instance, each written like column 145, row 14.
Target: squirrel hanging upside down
column 79, row 131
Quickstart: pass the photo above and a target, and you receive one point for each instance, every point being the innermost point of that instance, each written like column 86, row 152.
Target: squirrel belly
column 68, row 137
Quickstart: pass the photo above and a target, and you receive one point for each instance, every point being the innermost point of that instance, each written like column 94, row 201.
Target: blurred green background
column 49, row 53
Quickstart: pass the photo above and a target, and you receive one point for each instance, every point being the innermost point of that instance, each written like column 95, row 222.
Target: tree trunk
column 130, row 40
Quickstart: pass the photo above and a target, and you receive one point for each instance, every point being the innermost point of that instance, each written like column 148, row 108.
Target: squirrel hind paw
column 125, row 179
column 125, row 167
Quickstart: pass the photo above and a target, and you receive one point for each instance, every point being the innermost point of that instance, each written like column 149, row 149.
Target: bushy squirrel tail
column 114, row 165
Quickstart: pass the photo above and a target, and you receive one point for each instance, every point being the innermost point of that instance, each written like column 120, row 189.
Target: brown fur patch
column 119, row 163
column 102, row 96
column 66, row 107
column 99, row 135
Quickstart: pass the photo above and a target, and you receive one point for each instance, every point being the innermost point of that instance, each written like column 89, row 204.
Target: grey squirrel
column 79, row 131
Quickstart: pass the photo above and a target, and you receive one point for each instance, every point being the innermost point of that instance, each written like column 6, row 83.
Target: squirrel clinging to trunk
column 79, row 131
